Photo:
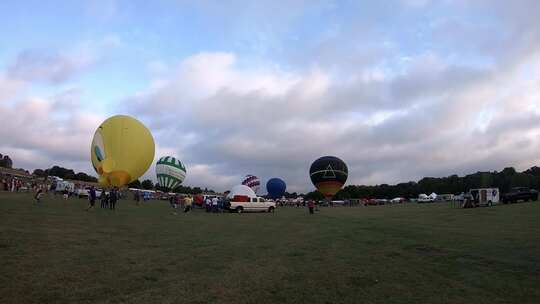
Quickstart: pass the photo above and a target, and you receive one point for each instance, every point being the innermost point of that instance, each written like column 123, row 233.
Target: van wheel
column 271, row 209
column 239, row 209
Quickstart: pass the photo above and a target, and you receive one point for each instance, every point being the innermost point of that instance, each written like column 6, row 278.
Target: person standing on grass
column 113, row 198
column 208, row 204
column 91, row 198
column 311, row 206
column 187, row 202
column 220, row 205
column 172, row 202
column 137, row 197
column 104, row 197
column 214, row 204
column 180, row 201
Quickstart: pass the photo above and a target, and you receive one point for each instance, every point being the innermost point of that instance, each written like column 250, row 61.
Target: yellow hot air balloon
column 122, row 150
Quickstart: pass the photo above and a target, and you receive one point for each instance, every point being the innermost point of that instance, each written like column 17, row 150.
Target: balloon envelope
column 328, row 174
column 241, row 190
column 252, row 181
column 122, row 150
column 170, row 172
column 276, row 187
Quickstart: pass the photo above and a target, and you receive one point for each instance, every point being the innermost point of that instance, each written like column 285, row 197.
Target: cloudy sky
column 399, row 89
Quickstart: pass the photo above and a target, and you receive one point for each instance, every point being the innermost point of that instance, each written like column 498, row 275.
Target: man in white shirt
column 214, row 204
column 208, row 204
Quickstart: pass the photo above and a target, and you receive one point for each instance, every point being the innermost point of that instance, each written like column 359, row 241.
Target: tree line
column 64, row 174
column 453, row 184
column 149, row 185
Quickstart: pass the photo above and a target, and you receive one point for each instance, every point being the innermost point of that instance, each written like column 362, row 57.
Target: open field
column 58, row 253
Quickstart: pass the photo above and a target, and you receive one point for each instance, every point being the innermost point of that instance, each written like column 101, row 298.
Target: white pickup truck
column 252, row 204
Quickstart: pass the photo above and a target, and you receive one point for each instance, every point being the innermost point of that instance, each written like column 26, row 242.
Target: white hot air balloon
column 241, row 190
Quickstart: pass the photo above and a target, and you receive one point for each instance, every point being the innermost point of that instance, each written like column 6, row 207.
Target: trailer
column 485, row 196
column 65, row 186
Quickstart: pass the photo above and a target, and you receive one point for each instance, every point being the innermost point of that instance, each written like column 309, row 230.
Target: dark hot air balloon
column 328, row 174
column 276, row 187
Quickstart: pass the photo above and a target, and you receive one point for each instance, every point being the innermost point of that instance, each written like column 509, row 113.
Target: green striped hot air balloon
column 170, row 172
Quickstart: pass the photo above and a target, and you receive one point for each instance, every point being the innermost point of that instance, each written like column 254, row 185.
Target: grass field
column 58, row 253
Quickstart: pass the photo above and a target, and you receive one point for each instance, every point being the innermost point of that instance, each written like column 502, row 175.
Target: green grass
column 58, row 253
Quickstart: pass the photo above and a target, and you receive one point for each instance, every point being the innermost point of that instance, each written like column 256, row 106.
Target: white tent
column 422, row 196
column 433, row 195
column 241, row 190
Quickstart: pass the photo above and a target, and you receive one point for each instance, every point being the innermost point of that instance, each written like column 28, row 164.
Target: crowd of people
column 14, row 184
column 215, row 204
column 109, row 199
column 179, row 201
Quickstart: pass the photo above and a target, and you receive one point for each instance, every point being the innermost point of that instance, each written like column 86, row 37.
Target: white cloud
column 46, row 132
column 9, row 88
column 239, row 124
column 56, row 67
column 39, row 65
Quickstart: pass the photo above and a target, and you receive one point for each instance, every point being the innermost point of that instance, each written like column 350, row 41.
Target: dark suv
column 520, row 193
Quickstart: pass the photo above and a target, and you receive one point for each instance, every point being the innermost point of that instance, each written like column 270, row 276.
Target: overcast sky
column 398, row 89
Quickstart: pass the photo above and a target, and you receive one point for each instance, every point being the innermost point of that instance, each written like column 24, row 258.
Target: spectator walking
column 38, row 196
column 91, row 198
column 187, row 202
column 311, row 206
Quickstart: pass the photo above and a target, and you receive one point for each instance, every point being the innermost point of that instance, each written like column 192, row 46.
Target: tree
column 39, row 172
column 135, row 184
column 314, row 195
column 5, row 161
column 147, row 184
column 453, row 184
column 64, row 174
column 196, row 190
column 293, row 195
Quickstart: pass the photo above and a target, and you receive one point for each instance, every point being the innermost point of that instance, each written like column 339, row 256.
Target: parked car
column 84, row 192
column 371, row 202
column 397, row 200
column 520, row 194
column 382, row 201
column 422, row 198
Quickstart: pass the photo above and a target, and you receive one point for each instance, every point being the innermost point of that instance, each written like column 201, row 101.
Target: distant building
column 18, row 173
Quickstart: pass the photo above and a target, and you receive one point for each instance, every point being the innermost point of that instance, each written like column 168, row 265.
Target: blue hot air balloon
column 276, row 187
